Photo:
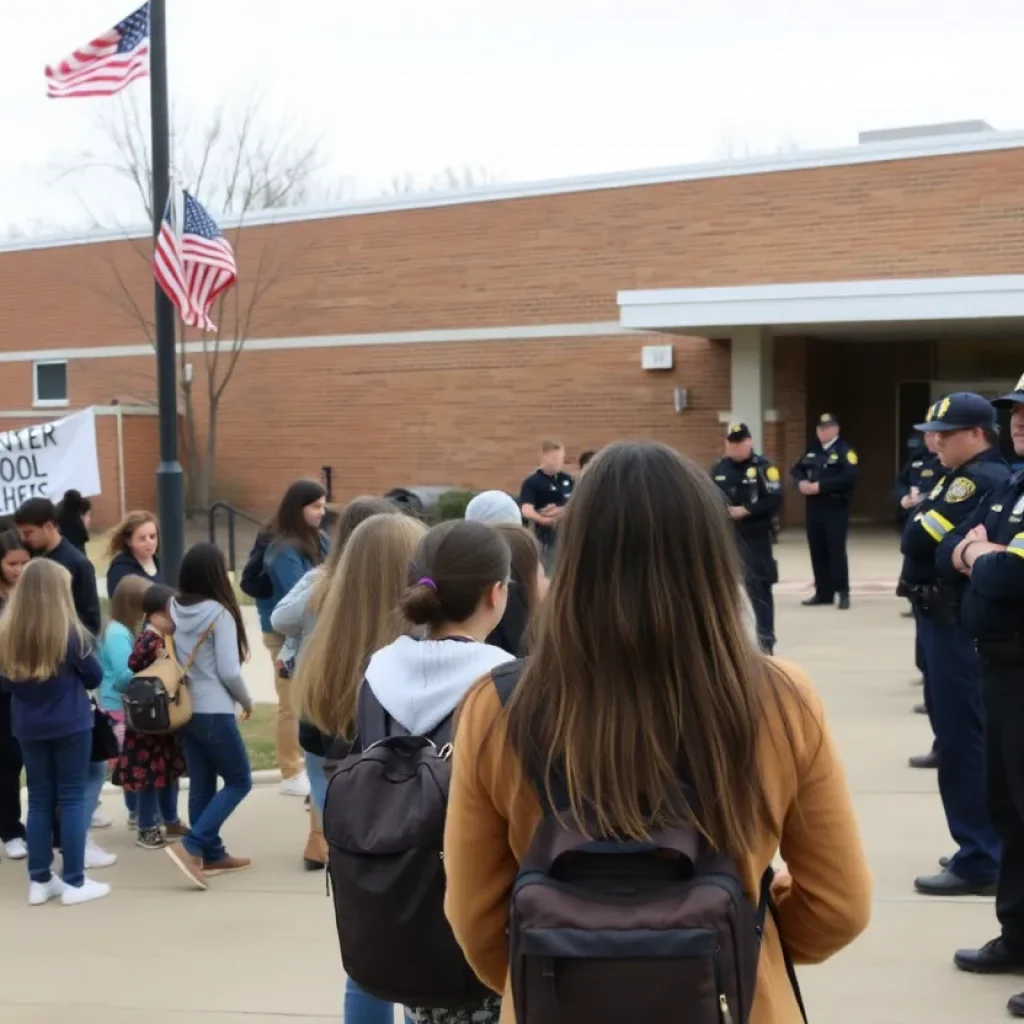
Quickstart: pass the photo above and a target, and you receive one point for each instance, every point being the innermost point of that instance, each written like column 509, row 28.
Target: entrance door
column 987, row 389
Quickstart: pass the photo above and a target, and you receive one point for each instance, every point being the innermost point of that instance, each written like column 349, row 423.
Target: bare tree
column 235, row 165
column 451, row 179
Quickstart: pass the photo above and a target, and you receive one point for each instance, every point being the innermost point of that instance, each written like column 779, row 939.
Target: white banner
column 45, row 460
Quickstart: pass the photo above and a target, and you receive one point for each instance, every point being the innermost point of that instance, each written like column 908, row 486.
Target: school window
column 50, row 383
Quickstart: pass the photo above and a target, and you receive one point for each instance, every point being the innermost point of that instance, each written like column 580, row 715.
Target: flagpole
column 170, row 488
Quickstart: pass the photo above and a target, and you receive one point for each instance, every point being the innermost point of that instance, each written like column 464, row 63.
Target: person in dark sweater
column 529, row 584
column 74, row 516
column 36, row 521
column 133, row 550
column 48, row 666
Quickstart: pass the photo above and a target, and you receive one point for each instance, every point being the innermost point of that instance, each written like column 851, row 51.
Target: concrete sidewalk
column 260, row 948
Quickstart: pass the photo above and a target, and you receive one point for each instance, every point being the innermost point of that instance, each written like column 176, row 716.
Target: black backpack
column 255, row 582
column 384, row 825
column 611, row 931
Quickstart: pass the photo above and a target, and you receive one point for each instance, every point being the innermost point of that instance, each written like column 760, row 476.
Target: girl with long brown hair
column 294, row 618
column 527, row 588
column 133, row 550
column 46, row 658
column 647, row 702
column 294, row 544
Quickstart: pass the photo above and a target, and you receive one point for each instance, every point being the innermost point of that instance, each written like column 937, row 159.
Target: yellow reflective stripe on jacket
column 1016, row 546
column 936, row 525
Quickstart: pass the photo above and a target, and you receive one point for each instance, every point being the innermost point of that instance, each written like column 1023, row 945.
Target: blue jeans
column 58, row 774
column 213, row 749
column 317, row 782
column 94, row 786
column 362, row 1008
column 156, row 805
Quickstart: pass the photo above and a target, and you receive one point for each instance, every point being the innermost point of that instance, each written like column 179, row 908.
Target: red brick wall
column 472, row 413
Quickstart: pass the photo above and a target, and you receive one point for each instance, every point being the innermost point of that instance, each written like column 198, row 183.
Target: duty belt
column 930, row 600
column 1007, row 650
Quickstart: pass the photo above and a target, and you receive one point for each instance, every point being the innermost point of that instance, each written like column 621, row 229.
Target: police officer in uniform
column 987, row 552
column 826, row 476
column 753, row 493
column 971, row 468
column 916, row 479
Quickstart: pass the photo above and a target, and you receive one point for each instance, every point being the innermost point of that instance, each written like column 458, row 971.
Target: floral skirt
column 488, row 1012
column 148, row 762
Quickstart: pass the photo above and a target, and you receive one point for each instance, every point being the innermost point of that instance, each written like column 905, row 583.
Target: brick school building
column 436, row 339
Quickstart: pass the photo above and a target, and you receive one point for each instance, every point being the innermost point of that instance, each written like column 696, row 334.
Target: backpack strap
column 766, row 905
column 506, row 678
column 374, row 724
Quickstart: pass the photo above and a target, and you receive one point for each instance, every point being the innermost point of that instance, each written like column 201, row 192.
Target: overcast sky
column 528, row 89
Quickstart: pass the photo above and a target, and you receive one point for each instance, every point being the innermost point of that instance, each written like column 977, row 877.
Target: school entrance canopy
column 755, row 319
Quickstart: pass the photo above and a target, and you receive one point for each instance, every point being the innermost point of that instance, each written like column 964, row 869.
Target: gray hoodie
column 215, row 677
column 420, row 682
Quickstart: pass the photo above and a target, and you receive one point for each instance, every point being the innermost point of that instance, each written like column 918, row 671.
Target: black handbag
column 104, row 740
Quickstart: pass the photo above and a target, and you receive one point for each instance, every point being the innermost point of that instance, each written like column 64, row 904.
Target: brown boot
column 314, row 856
column 191, row 867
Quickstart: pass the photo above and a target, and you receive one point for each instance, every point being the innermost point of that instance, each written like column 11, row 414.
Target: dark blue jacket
column 125, row 564
column 56, row 707
column 83, row 583
column 993, row 601
column 285, row 566
column 950, row 502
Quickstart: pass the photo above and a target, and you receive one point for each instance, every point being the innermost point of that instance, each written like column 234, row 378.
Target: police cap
column 737, row 432
column 826, row 419
column 962, row 410
column 1015, row 397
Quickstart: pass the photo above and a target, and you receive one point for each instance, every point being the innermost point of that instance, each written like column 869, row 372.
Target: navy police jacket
column 835, row 469
column 755, row 484
column 922, row 470
column 993, row 602
column 950, row 502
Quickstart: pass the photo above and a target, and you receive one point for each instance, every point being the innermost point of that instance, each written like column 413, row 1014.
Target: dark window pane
column 51, row 382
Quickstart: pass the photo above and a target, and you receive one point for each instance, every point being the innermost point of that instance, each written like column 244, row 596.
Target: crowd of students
column 620, row 697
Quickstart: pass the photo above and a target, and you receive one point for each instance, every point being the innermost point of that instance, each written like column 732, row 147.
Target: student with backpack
column 386, row 803
column 151, row 764
column 290, row 546
column 47, row 665
column 294, row 618
column 358, row 615
column 616, row 801
column 209, row 637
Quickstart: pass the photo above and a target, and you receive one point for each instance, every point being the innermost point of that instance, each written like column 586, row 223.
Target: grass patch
column 258, row 734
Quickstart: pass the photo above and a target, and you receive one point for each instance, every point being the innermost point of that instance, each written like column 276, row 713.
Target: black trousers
column 1003, row 695
column 827, row 526
column 11, row 826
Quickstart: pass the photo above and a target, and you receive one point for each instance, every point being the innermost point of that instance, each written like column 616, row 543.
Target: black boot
column 844, row 602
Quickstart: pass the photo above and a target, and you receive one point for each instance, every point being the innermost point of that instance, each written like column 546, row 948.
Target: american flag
column 107, row 64
column 192, row 261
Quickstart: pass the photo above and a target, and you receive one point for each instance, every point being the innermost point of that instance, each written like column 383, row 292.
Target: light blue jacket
column 285, row 567
column 115, row 649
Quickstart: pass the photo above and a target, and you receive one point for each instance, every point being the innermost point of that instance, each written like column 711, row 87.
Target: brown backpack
column 157, row 700
column 612, row 931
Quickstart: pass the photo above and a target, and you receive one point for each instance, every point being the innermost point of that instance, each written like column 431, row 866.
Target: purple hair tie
column 426, row 581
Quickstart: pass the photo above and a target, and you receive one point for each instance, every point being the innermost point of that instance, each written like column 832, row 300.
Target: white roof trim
column 531, row 332
column 867, row 153
column 59, row 414
column 832, row 302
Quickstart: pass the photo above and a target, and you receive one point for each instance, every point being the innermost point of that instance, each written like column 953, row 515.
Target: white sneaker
column 100, row 821
column 297, row 785
column 84, row 893
column 96, row 857
column 42, row 892
column 16, row 849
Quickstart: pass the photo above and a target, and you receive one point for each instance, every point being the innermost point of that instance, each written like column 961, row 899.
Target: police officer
column 826, row 476
column 965, row 425
column 916, row 479
column 987, row 552
column 753, row 493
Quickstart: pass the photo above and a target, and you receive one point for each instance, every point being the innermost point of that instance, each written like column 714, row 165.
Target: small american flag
column 193, row 262
column 107, row 64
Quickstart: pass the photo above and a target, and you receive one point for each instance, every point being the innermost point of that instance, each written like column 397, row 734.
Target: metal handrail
column 232, row 514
